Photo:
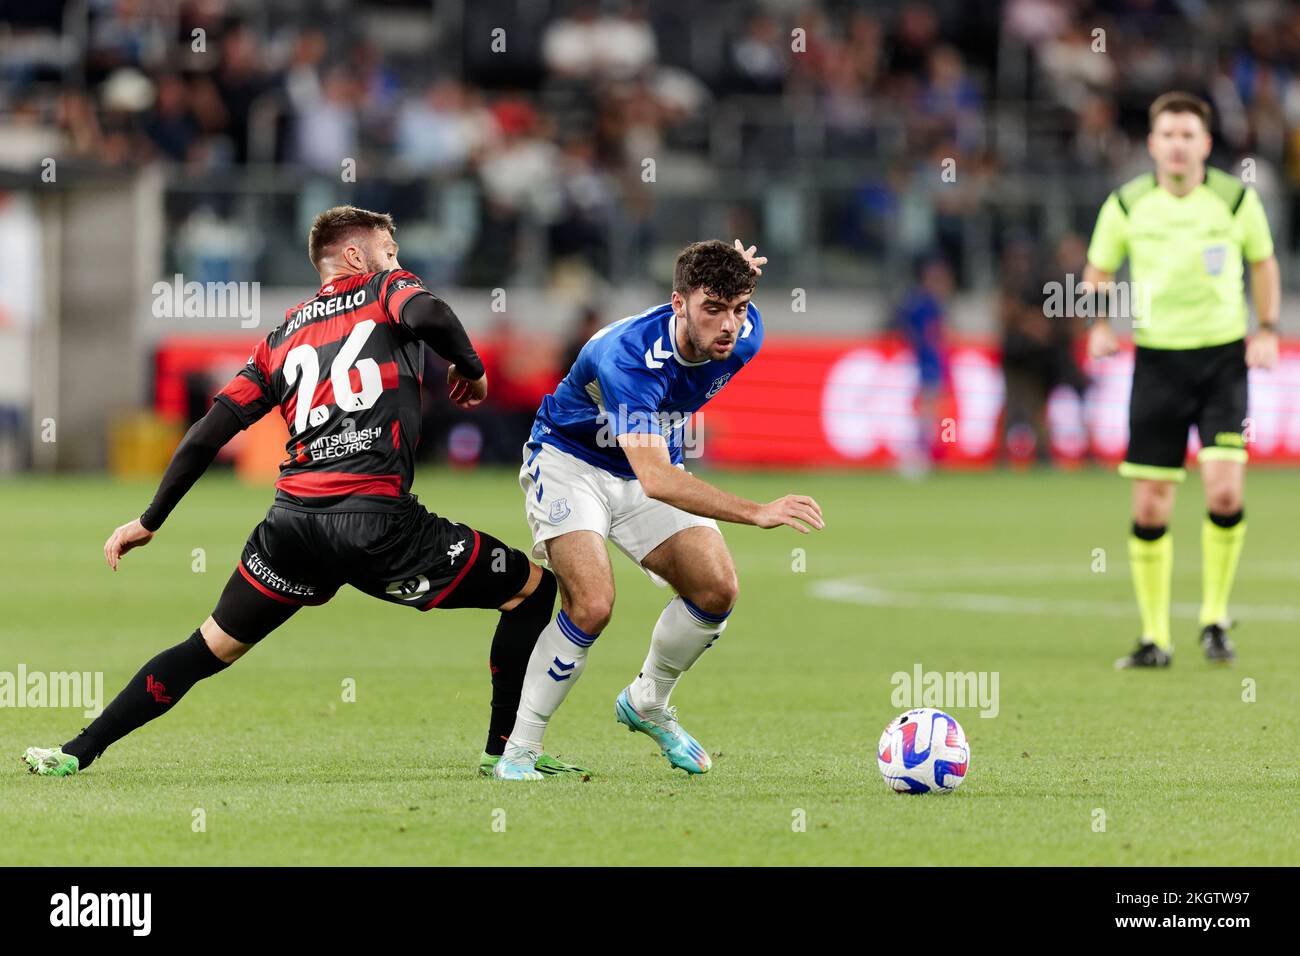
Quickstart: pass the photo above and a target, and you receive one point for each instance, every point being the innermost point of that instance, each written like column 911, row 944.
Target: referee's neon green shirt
column 1185, row 257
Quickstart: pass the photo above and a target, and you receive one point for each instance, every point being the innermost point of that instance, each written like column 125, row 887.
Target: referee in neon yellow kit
column 1188, row 231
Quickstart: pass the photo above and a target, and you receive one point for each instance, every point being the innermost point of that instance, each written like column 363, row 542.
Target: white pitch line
column 854, row 591
column 1078, row 571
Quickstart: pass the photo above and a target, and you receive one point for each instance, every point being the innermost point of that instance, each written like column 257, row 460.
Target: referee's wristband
column 1268, row 326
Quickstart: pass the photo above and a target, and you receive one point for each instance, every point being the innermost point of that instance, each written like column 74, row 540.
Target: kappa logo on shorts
column 560, row 510
column 409, row 589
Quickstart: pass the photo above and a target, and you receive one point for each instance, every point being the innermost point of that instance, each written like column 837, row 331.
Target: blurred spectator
column 441, row 130
column 378, row 86
column 588, row 201
column 521, row 174
column 758, row 57
column 592, row 44
column 1038, row 346
column 240, row 80
column 1098, row 142
column 326, row 122
column 589, row 322
column 171, row 126
column 948, row 105
column 1028, row 354
column 1073, row 68
column 124, row 33
column 1070, row 257
column 1036, row 21
column 915, row 33
column 521, row 371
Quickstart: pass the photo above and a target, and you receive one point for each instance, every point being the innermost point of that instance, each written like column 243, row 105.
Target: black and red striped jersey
column 345, row 372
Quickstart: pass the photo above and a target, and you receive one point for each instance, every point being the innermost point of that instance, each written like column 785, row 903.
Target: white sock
column 682, row 633
column 557, row 661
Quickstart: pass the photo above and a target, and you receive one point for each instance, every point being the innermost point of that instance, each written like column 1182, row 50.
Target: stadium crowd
column 551, row 122
column 555, row 126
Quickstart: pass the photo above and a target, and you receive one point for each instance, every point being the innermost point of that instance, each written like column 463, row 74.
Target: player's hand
column 756, row 262
column 1102, row 341
column 131, row 535
column 1261, row 350
column 466, row 392
column 797, row 511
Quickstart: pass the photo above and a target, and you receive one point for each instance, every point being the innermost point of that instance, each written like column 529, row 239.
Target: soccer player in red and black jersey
column 345, row 370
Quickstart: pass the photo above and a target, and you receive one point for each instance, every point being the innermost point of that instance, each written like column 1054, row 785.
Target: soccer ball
column 923, row 750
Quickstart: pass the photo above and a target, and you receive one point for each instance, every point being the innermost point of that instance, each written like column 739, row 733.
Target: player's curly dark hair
column 338, row 223
column 717, row 268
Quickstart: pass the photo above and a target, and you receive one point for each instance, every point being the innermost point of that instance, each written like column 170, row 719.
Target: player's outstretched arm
column 190, row 460
column 436, row 325
column 663, row 481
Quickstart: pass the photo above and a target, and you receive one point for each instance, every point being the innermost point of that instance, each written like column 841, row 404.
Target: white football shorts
column 563, row 493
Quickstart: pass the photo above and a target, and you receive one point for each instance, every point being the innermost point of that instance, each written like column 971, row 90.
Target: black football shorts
column 408, row 556
column 1174, row 389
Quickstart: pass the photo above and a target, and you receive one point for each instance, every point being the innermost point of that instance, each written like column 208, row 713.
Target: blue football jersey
column 629, row 378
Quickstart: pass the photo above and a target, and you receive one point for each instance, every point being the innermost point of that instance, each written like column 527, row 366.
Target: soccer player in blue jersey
column 604, row 462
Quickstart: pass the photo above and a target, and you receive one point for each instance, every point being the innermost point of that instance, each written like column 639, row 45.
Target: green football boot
column 50, row 762
column 545, row 764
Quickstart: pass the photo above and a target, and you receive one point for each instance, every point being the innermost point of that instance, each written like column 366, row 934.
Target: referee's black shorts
column 1174, row 389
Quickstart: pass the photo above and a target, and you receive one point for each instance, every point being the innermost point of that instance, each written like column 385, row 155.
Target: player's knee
column 1149, row 514
column 1223, row 500
column 591, row 612
column 222, row 645
column 1151, row 506
column 719, row 594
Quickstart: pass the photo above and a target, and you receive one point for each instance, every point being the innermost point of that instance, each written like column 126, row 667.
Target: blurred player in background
column 344, row 369
column 920, row 318
column 1186, row 230
column 605, row 461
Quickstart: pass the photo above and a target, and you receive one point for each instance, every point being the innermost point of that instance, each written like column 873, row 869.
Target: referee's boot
column 1146, row 655
column 1214, row 642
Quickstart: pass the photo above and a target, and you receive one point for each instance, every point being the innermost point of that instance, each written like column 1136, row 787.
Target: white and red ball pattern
column 923, row 751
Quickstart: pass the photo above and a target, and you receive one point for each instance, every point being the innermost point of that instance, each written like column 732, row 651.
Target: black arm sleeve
column 190, row 460
column 434, row 324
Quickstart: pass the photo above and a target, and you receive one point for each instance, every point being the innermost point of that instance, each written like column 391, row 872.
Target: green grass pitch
column 986, row 572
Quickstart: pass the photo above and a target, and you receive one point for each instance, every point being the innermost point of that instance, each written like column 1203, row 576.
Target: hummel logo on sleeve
column 659, row 354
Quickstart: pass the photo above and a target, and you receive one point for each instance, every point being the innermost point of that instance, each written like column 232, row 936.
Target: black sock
column 149, row 694
column 512, row 645
column 1228, row 521
column 1149, row 532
